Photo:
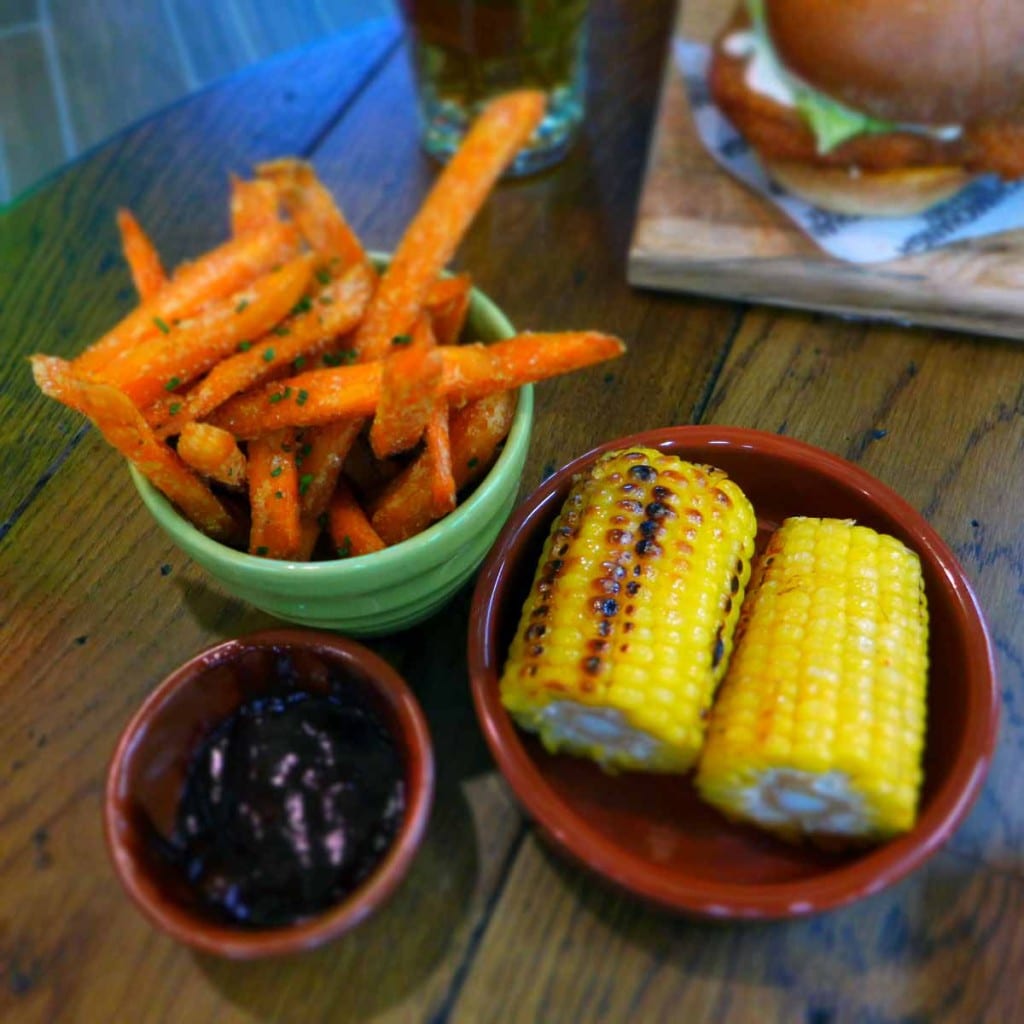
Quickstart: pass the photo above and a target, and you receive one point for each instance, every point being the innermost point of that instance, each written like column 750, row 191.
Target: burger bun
column 896, row 193
column 934, row 62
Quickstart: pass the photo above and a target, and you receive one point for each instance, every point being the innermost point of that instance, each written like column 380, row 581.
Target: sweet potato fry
column 343, row 393
column 435, row 232
column 336, row 309
column 437, row 445
column 351, row 532
column 219, row 273
column 141, row 256
column 405, row 507
column 470, row 372
column 166, row 363
column 274, row 496
column 314, row 210
column 474, row 433
column 410, row 375
column 448, row 303
column 123, row 427
column 213, row 453
column 254, row 205
column 323, row 451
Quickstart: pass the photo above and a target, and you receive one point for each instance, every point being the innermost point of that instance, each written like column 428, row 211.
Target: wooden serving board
column 699, row 230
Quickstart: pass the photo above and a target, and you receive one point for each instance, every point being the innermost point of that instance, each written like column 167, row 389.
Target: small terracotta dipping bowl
column 651, row 835
column 150, row 764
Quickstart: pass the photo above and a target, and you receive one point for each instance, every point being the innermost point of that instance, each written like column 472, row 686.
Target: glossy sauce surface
column 288, row 805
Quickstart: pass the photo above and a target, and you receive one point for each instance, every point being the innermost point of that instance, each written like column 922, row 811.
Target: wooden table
column 97, row 606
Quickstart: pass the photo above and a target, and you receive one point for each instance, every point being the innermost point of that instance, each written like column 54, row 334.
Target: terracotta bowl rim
column 575, row 837
column 222, row 940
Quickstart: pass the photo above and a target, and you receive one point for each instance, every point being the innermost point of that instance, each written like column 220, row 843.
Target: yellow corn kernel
column 818, row 727
column 629, row 621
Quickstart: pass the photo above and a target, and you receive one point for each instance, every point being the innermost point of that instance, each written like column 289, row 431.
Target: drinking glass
column 465, row 52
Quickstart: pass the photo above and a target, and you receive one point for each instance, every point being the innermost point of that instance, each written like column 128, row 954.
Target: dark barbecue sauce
column 288, row 805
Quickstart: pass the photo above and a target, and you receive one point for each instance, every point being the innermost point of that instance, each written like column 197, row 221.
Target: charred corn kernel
column 818, row 726
column 629, row 621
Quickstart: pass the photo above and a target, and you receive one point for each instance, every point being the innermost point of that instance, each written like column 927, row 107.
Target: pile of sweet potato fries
column 283, row 366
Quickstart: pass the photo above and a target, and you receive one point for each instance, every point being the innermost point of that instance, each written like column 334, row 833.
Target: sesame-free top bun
column 941, row 62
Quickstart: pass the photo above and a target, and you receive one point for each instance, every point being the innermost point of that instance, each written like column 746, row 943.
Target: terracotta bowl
column 151, row 761
column 651, row 835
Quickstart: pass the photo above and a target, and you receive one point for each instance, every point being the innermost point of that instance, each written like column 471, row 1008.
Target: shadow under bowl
column 651, row 835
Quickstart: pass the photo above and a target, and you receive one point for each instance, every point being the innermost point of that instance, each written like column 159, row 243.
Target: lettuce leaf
column 831, row 122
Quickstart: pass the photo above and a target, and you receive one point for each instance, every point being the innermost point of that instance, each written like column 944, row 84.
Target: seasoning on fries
column 343, row 400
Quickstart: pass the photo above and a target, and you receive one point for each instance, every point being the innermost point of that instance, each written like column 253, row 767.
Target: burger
column 880, row 107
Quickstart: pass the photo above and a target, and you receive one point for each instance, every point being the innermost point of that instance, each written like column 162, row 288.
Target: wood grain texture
column 45, row 309
column 699, row 230
column 904, row 406
column 564, row 947
column 550, row 249
column 96, row 605
column 91, row 657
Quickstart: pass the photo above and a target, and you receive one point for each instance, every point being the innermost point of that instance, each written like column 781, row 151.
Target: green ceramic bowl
column 390, row 589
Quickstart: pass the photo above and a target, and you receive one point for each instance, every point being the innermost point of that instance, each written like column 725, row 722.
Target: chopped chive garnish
column 277, row 470
column 300, row 398
column 299, row 363
column 281, row 330
column 344, row 357
column 175, row 408
column 262, row 550
column 162, row 325
column 244, row 346
column 268, row 355
column 241, row 305
column 278, row 494
column 173, row 383
column 402, row 339
column 321, row 520
column 472, row 464
column 345, row 547
column 302, row 306
column 304, row 481
column 323, row 276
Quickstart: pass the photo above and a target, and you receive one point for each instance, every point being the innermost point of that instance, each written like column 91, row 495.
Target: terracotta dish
column 651, row 835
column 149, row 767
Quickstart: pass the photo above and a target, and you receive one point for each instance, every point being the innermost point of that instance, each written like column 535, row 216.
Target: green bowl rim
column 170, row 519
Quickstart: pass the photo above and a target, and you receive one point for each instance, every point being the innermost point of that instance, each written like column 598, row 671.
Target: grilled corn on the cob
column 629, row 621
column 818, row 727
